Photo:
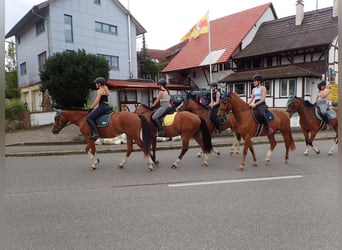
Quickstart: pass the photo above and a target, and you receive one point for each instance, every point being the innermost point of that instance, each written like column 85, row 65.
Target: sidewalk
column 41, row 141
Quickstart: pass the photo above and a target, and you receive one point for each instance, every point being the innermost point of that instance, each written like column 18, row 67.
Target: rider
column 100, row 106
column 214, row 104
column 259, row 97
column 322, row 100
column 163, row 99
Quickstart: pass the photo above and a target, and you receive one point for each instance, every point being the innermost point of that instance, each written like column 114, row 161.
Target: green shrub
column 14, row 109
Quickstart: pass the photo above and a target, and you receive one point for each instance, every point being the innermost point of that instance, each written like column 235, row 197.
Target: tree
column 11, row 90
column 69, row 77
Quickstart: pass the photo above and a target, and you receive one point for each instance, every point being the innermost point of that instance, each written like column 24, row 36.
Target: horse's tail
column 146, row 135
column 206, row 136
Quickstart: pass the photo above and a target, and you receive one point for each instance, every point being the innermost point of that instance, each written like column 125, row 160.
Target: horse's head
column 291, row 106
column 225, row 105
column 59, row 122
column 141, row 109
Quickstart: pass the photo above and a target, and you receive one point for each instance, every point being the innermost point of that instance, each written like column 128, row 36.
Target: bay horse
column 185, row 124
column 309, row 122
column 200, row 109
column 119, row 123
column 248, row 127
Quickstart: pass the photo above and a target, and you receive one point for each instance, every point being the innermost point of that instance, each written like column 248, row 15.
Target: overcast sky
column 167, row 21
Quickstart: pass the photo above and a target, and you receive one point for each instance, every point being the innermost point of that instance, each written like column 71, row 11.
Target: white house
column 102, row 27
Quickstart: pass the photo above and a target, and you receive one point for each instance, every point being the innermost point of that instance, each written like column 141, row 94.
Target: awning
column 270, row 73
column 141, row 85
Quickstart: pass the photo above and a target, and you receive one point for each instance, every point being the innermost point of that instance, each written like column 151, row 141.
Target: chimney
column 299, row 12
column 335, row 8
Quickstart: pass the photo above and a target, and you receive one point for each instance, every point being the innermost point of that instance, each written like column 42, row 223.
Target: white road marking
column 233, row 181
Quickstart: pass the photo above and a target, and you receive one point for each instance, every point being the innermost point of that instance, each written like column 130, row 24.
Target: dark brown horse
column 120, row 122
column 185, row 124
column 195, row 107
column 248, row 127
column 309, row 122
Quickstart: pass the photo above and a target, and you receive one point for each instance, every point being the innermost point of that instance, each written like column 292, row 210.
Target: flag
column 200, row 28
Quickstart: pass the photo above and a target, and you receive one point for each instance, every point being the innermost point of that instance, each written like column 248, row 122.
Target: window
column 113, row 61
column 287, row 87
column 40, row 28
column 107, row 28
column 239, row 88
column 128, row 96
column 68, row 28
column 98, row 2
column 307, row 88
column 23, row 70
column 268, row 87
column 41, row 60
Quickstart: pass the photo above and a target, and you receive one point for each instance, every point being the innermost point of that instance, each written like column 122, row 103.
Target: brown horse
column 309, row 122
column 119, row 123
column 248, row 127
column 195, row 107
column 185, row 124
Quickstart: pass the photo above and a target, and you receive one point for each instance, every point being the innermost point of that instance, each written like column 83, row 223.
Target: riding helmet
column 100, row 80
column 162, row 81
column 257, row 78
column 213, row 84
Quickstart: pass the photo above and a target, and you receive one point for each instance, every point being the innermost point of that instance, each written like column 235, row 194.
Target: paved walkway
column 41, row 141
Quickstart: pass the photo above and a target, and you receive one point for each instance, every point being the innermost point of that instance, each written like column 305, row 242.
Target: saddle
column 331, row 114
column 103, row 120
column 258, row 118
column 168, row 116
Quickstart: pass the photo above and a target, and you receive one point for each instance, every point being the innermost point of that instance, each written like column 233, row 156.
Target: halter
column 67, row 123
column 291, row 102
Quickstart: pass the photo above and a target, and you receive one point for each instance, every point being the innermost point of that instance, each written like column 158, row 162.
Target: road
column 57, row 202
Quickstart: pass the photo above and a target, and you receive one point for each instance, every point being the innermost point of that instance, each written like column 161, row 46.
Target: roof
column 226, row 34
column 270, row 73
column 319, row 27
column 37, row 9
column 136, row 84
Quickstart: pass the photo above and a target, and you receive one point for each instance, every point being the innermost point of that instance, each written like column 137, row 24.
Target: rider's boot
column 161, row 132
column 95, row 134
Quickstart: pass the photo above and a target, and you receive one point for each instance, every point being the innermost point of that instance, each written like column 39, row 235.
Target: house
column 292, row 53
column 102, row 27
column 193, row 63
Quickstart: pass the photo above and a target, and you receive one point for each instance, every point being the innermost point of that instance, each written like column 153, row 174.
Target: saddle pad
column 269, row 116
column 168, row 119
column 330, row 112
column 103, row 120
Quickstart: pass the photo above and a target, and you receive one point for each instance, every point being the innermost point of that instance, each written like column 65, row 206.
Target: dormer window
column 40, row 28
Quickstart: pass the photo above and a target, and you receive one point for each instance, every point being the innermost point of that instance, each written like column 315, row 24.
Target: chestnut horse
column 185, row 124
column 119, row 123
column 309, row 122
column 195, row 107
column 248, row 127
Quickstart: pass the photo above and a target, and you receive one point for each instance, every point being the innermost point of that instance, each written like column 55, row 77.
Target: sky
column 166, row 22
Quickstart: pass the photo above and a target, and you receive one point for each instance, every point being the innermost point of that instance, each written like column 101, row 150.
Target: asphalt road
column 57, row 202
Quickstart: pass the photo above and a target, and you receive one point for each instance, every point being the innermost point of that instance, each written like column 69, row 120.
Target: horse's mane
column 143, row 105
column 306, row 102
column 191, row 97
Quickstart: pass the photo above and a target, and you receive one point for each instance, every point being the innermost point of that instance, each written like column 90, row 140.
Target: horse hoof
column 93, row 167
column 174, row 166
column 120, row 167
column 255, row 165
column 156, row 163
column 198, row 155
column 150, row 168
column 218, row 153
column 204, row 164
column 286, row 161
column 330, row 153
column 318, row 152
column 241, row 168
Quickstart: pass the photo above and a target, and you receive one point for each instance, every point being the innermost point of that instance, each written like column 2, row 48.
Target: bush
column 14, row 109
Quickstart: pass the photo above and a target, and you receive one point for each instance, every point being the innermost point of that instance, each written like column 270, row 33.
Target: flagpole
column 209, row 49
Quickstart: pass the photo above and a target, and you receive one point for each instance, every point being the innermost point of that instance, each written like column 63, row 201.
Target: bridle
column 58, row 120
column 293, row 110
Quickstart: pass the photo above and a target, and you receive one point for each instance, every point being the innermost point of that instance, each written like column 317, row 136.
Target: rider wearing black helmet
column 259, row 97
column 322, row 100
column 163, row 99
column 100, row 106
column 214, row 104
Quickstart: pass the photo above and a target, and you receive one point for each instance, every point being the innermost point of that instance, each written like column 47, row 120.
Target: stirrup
column 94, row 137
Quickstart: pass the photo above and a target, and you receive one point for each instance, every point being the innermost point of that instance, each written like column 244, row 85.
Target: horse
column 310, row 123
column 249, row 127
column 119, row 123
column 195, row 107
column 185, row 124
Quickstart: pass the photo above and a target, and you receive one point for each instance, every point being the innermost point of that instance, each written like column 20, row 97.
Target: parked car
column 177, row 99
column 202, row 96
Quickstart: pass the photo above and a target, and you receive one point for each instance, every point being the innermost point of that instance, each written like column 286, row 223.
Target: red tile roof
column 141, row 84
column 226, row 35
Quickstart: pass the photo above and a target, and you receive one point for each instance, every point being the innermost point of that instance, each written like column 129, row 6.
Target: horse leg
column 251, row 149
column 307, row 148
column 235, row 148
column 273, row 143
column 312, row 137
column 217, row 152
column 90, row 149
column 248, row 145
column 129, row 142
column 150, row 162
column 185, row 147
